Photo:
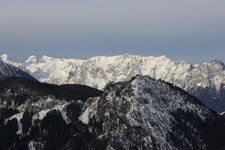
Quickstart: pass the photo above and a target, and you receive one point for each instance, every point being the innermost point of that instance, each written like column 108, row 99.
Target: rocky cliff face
column 142, row 113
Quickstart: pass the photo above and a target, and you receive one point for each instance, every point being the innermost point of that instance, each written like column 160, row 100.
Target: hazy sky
column 192, row 30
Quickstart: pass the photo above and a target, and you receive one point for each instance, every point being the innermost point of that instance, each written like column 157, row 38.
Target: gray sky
column 192, row 30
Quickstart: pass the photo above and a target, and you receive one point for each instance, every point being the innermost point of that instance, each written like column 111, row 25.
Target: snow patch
column 31, row 145
column 90, row 111
column 85, row 116
column 18, row 117
column 40, row 115
column 60, row 108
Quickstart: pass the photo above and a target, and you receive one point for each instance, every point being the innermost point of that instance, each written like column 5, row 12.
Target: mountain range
column 128, row 111
column 141, row 113
column 206, row 81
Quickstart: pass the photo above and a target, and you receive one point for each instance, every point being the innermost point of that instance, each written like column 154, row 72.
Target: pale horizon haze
column 193, row 31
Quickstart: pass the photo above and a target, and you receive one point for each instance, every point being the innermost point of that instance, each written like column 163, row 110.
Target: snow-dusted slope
column 144, row 113
column 206, row 80
column 5, row 58
column 43, row 116
column 8, row 69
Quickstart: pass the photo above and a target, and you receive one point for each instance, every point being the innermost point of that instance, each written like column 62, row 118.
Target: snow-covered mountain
column 206, row 80
column 9, row 69
column 142, row 113
column 98, row 71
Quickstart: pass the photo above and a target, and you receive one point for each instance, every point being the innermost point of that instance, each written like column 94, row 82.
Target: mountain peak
column 5, row 58
column 129, row 55
column 217, row 62
column 47, row 58
column 32, row 60
column 150, row 114
column 163, row 57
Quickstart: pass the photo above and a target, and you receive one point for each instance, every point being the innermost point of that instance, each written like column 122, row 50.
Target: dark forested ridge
column 38, row 89
column 30, row 98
